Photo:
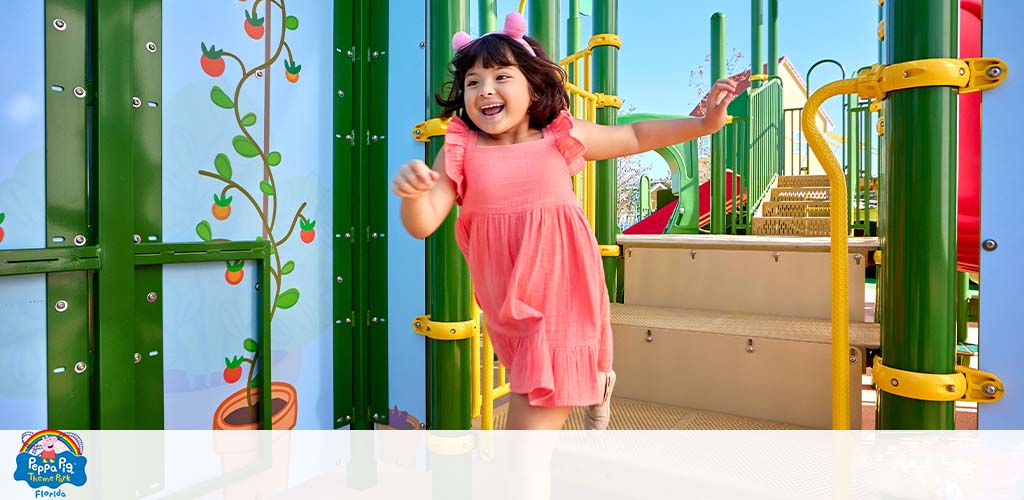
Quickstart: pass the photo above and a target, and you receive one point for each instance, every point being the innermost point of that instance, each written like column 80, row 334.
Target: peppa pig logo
column 52, row 459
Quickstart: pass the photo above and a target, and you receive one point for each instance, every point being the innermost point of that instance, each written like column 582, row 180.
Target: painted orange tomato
column 235, row 272
column 254, row 25
column 221, row 207
column 1, row 235
column 291, row 71
column 231, row 375
column 211, row 61
column 308, row 232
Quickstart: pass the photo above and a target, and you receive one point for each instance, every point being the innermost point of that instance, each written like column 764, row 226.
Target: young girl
column 509, row 152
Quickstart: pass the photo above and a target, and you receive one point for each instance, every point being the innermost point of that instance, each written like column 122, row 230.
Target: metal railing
column 861, row 167
column 797, row 158
column 767, row 134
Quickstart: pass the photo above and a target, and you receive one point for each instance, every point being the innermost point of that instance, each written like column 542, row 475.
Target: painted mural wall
column 23, row 220
column 247, row 155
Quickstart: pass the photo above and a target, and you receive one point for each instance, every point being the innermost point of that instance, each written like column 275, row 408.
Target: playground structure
column 729, row 309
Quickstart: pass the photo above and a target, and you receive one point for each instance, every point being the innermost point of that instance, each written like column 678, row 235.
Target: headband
column 515, row 27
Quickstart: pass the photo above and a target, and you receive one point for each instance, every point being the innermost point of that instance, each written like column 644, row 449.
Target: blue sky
column 664, row 40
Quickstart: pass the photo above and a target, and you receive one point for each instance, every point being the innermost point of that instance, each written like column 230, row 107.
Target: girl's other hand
column 721, row 94
column 414, row 179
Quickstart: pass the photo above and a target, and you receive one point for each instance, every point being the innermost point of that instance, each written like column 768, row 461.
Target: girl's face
column 497, row 99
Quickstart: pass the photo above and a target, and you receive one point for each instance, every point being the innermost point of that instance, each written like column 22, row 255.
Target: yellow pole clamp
column 969, row 75
column 433, row 127
column 610, row 250
column 759, row 77
column 608, row 101
column 439, row 330
column 967, row 384
column 604, row 40
column 880, row 126
column 881, row 30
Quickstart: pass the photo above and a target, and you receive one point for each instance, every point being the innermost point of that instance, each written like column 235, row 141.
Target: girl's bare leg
column 522, row 416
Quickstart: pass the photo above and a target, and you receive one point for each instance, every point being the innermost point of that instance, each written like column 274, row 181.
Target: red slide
column 658, row 221
column 969, row 174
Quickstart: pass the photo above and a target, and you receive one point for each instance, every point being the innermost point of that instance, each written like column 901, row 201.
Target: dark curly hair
column 546, row 79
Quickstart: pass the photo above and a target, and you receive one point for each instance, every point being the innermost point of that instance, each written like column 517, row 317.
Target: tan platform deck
column 742, row 324
column 740, row 242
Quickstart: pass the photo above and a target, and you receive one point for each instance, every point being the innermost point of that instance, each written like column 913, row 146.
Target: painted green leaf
column 288, row 268
column 251, row 345
column 266, row 188
column 249, row 119
column 204, row 231
column 223, row 165
column 244, row 147
column 2, row 216
column 221, row 99
column 291, row 22
column 255, row 382
column 288, row 298
column 274, row 159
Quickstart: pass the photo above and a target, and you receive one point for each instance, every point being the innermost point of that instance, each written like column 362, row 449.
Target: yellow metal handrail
column 583, row 104
column 969, row 75
column 482, row 387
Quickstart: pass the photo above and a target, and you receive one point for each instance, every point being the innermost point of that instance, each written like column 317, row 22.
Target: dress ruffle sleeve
column 570, row 147
column 455, row 140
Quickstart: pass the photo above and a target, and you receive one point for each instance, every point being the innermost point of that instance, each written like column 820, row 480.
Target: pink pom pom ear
column 460, row 40
column 515, row 25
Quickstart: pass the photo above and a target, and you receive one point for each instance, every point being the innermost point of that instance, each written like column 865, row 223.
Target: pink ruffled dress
column 535, row 263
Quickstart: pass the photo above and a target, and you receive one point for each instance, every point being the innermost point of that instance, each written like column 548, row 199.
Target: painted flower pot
column 233, row 413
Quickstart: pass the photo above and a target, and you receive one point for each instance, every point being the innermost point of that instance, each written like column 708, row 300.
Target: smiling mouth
column 492, row 110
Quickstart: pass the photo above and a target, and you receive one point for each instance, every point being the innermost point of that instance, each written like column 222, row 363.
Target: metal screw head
column 990, row 389
column 374, row 235
column 341, row 93
column 80, row 367
column 151, row 46
column 994, row 72
column 423, row 45
column 257, row 285
column 989, row 245
column 451, row 332
column 350, row 53
column 79, row 240
column 348, row 320
column 137, row 239
column 895, row 383
column 136, row 102
column 348, row 417
column 79, row 92
column 856, row 258
column 375, row 54
column 373, row 319
column 59, row 24
column 151, row 297
column 853, row 358
column 137, row 357
column 348, row 137
column 61, row 306
column 419, row 325
column 374, row 138
column 376, row 416
column 693, row 254
column 259, row 73
column 906, row 74
column 962, row 72
column 951, row 388
column 775, row 255
column 417, row 132
column 339, row 279
column 649, row 338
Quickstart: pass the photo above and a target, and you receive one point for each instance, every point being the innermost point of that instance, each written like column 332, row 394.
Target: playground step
column 803, row 181
column 800, row 194
column 795, row 209
column 766, row 367
column 791, row 226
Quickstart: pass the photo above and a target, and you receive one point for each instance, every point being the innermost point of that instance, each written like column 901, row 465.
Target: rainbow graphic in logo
column 51, row 458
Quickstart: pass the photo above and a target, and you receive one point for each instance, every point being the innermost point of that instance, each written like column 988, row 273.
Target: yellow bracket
column 608, row 101
column 438, row 330
column 880, row 126
column 967, row 384
column 610, row 250
column 969, row 75
column 878, row 257
column 875, row 106
column 759, row 78
column 433, row 127
column 604, row 40
column 881, row 30
column 728, row 119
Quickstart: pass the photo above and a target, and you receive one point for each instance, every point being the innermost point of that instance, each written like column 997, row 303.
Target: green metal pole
column 606, row 13
column 574, row 27
column 852, row 168
column 488, row 16
column 773, row 37
column 718, row 139
column 919, row 326
column 448, row 367
column 543, row 22
column 115, row 378
column 756, row 39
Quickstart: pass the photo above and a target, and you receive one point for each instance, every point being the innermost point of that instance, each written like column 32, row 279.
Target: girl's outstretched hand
column 414, row 179
column 721, row 94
